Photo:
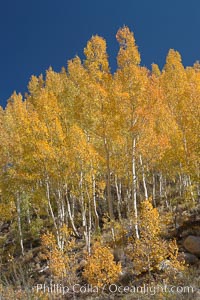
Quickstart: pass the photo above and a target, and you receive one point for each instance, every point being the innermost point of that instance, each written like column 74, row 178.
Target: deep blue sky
column 35, row 34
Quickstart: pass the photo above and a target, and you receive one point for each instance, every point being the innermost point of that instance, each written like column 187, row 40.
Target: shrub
column 150, row 250
column 61, row 261
column 101, row 268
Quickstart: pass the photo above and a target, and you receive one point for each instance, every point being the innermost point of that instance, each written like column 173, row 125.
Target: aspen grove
column 86, row 147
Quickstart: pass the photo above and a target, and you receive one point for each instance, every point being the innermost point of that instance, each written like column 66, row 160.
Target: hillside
column 99, row 182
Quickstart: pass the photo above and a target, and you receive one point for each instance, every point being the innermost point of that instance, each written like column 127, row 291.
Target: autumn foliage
column 101, row 268
column 85, row 143
column 61, row 261
column 151, row 249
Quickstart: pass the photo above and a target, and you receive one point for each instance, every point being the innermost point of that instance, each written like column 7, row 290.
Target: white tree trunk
column 52, row 215
column 154, row 190
column 134, row 188
column 19, row 223
column 118, row 199
column 70, row 213
column 96, row 216
column 83, row 212
column 144, row 179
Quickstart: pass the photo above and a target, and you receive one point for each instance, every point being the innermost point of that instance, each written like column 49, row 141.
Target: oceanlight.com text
column 57, row 288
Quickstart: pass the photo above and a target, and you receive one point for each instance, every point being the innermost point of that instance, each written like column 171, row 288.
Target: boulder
column 82, row 264
column 119, row 255
column 165, row 265
column 192, row 244
column 189, row 258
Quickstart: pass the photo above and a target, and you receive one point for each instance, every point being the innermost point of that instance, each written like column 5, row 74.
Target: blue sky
column 35, row 34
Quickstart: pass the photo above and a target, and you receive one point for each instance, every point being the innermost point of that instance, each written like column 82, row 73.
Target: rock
column 190, row 227
column 192, row 244
column 41, row 279
column 126, row 277
column 165, row 265
column 82, row 263
column 119, row 255
column 189, row 258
